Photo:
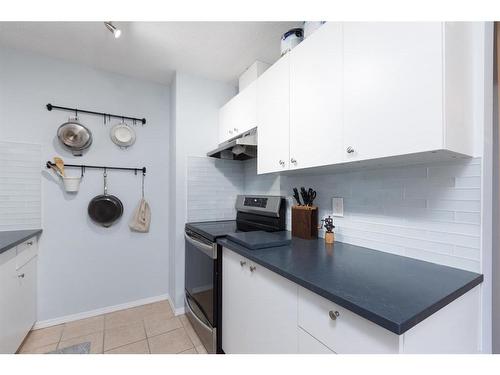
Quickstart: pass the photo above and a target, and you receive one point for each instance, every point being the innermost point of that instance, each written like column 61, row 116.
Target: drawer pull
column 252, row 268
column 21, row 276
column 29, row 243
column 242, row 263
column 333, row 314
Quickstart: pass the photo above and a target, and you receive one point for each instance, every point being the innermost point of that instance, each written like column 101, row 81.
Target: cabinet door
column 239, row 114
column 9, row 295
column 259, row 313
column 245, row 109
column 225, row 131
column 392, row 89
column 27, row 297
column 273, row 117
column 316, row 99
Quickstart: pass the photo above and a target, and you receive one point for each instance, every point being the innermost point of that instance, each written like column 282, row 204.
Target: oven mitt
column 141, row 218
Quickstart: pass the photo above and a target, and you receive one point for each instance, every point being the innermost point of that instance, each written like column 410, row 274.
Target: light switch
column 338, row 206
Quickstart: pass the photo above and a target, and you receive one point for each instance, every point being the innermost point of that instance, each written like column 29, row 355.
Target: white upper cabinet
column 316, row 99
column 273, row 116
column 393, row 89
column 365, row 91
column 239, row 114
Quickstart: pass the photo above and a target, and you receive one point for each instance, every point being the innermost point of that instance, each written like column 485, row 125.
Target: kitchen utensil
column 122, row 135
column 55, row 169
column 105, row 209
column 311, row 196
column 296, row 196
column 305, row 198
column 71, row 183
column 291, row 39
column 59, row 165
column 74, row 136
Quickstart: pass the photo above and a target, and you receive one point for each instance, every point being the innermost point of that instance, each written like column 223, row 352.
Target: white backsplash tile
column 20, row 186
column 429, row 212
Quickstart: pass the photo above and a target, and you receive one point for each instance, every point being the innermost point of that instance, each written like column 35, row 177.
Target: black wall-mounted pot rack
column 83, row 167
column 50, row 107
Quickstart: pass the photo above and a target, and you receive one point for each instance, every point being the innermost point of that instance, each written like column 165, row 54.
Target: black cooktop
column 212, row 230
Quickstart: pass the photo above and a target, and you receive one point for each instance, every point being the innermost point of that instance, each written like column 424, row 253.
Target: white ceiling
column 153, row 50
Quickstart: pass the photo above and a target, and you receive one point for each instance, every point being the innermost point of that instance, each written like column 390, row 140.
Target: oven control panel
column 255, row 202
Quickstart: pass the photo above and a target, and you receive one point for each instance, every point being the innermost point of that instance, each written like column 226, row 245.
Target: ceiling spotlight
column 116, row 32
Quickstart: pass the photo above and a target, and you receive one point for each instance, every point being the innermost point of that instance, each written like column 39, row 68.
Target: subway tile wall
column 212, row 186
column 430, row 212
column 20, row 186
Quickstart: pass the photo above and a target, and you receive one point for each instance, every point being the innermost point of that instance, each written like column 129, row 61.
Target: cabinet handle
column 293, row 161
column 242, row 263
column 236, row 130
column 350, row 150
column 333, row 314
column 230, row 132
column 282, row 163
column 29, row 243
column 252, row 268
column 21, row 276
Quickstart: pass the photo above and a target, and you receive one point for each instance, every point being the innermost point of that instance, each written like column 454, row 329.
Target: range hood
column 243, row 147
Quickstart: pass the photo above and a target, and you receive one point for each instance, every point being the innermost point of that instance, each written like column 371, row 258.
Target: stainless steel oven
column 201, row 287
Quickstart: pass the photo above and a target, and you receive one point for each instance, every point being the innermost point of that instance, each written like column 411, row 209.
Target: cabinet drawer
column 348, row 332
column 26, row 251
column 309, row 345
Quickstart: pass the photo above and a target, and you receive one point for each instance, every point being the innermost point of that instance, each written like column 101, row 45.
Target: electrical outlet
column 338, row 206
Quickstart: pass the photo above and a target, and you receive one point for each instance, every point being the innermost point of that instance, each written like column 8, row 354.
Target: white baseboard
column 177, row 311
column 104, row 310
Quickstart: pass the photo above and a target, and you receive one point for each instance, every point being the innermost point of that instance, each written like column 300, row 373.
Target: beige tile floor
column 144, row 329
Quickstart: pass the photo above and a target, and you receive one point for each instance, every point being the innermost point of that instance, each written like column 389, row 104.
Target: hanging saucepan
column 74, row 136
column 105, row 209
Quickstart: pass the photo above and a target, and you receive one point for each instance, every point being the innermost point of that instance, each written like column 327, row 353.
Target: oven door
column 200, row 275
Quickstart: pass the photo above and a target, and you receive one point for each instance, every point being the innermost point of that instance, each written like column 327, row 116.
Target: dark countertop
column 392, row 291
column 11, row 238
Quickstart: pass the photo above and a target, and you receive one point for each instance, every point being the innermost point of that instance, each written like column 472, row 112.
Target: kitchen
column 324, row 187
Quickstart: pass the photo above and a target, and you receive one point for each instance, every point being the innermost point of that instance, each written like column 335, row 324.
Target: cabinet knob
column 29, row 243
column 21, row 276
column 333, row 314
column 293, row 161
column 230, row 132
column 282, row 163
column 252, row 268
column 242, row 263
column 350, row 150
column 236, row 130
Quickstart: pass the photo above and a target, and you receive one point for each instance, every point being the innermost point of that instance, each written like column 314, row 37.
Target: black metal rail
column 83, row 167
column 50, row 107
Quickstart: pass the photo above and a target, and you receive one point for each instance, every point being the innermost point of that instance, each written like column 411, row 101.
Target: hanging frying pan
column 105, row 209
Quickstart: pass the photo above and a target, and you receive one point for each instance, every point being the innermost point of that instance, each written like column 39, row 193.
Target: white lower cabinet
column 262, row 312
column 341, row 330
column 259, row 308
column 18, row 287
column 310, row 345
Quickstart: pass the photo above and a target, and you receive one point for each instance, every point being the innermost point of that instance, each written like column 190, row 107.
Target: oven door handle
column 203, row 324
column 209, row 250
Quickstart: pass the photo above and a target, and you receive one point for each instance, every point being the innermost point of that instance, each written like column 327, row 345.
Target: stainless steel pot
column 74, row 136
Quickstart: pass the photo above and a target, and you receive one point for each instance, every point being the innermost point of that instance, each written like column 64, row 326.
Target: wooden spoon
column 60, row 165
